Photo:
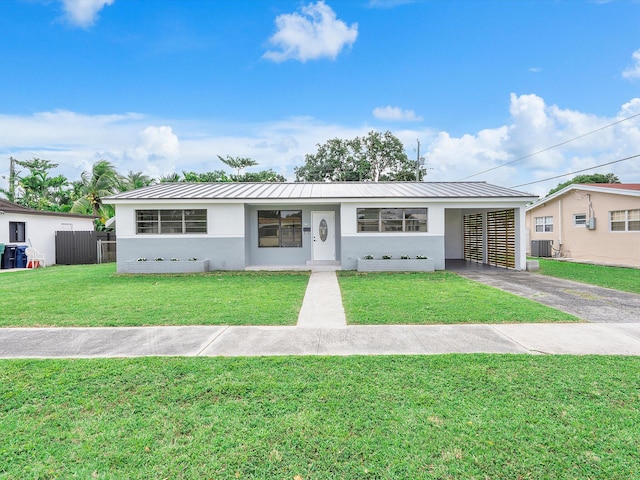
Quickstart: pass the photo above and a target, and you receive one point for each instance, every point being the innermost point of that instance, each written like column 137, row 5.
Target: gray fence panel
column 76, row 248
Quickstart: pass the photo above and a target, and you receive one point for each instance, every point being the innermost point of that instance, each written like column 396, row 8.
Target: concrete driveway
column 588, row 302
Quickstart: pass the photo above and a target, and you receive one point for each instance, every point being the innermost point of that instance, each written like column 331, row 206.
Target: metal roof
column 335, row 190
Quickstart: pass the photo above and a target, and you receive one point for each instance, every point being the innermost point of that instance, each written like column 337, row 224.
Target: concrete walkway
column 321, row 330
column 322, row 304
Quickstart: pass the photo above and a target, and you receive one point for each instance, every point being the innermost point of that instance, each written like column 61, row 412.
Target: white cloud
column 132, row 141
column 395, row 114
column 633, row 72
column 83, row 13
column 312, row 34
column 534, row 127
column 157, row 142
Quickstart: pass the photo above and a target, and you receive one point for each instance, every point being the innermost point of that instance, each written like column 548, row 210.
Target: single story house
column 245, row 225
column 598, row 223
column 28, row 227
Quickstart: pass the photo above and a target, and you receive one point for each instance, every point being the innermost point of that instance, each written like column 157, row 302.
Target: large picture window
column 171, row 221
column 280, row 228
column 625, row 220
column 392, row 219
column 544, row 224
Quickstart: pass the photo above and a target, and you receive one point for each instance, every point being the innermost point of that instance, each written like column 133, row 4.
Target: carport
column 483, row 236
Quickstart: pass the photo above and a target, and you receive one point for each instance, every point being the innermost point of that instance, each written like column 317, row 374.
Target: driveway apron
column 587, row 302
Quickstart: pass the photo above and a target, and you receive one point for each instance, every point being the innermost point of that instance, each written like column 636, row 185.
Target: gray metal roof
column 335, row 190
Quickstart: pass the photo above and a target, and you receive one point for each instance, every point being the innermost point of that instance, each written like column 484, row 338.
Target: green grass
column 94, row 295
column 440, row 417
column 624, row 279
column 435, row 298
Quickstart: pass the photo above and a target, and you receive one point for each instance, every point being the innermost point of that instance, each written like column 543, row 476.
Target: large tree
column 592, row 178
column 239, row 163
column 103, row 180
column 39, row 190
column 375, row 157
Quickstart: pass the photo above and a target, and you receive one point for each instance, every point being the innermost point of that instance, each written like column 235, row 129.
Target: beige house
column 597, row 223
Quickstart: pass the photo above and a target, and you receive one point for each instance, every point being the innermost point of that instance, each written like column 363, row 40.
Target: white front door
column 323, row 235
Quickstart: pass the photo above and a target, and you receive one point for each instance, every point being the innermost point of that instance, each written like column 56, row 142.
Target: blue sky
column 164, row 86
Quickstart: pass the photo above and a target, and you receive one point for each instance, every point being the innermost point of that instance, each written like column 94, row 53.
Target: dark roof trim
column 9, row 207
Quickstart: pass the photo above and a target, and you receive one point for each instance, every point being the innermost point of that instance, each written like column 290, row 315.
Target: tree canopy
column 39, row 190
column 592, row 178
column 375, row 157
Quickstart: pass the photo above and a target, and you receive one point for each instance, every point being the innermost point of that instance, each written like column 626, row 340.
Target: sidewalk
column 322, row 330
column 553, row 338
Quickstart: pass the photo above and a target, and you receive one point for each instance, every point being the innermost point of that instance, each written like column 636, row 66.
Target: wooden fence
column 76, row 248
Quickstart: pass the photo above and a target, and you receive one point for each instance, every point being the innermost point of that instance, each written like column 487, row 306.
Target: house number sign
column 323, row 230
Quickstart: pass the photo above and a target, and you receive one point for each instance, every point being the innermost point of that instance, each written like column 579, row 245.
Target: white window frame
column 628, row 219
column 579, row 219
column 544, row 224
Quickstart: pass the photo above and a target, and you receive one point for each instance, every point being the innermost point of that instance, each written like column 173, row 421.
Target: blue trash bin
column 21, row 256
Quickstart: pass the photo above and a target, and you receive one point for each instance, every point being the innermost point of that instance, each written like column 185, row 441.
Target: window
column 171, row 221
column 392, row 220
column 280, row 228
column 16, row 232
column 625, row 220
column 544, row 224
column 580, row 220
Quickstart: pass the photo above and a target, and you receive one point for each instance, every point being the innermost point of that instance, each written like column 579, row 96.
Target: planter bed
column 396, row 265
column 166, row 266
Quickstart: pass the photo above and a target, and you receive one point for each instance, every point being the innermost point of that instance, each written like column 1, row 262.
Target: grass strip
column 435, row 298
column 94, row 295
column 618, row 278
column 440, row 417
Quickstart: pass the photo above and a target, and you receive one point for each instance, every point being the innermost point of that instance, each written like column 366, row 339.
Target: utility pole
column 418, row 162
column 12, row 179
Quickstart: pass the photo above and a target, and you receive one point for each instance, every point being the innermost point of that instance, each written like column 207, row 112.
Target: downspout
column 560, row 227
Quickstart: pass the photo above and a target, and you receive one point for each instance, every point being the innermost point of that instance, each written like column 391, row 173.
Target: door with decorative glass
column 323, row 235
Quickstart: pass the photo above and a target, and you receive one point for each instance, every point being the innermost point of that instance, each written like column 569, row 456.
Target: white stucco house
column 24, row 226
column 236, row 226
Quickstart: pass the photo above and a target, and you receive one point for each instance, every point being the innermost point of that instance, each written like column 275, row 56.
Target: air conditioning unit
column 541, row 248
column 591, row 223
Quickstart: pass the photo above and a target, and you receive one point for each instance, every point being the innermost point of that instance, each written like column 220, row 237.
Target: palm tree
column 170, row 178
column 101, row 181
column 135, row 180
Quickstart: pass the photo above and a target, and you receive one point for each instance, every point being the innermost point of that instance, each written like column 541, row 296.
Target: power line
column 551, row 147
column 577, row 171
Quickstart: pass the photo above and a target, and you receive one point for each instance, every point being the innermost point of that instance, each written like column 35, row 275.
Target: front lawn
column 94, row 295
column 439, row 297
column 624, row 279
column 439, row 417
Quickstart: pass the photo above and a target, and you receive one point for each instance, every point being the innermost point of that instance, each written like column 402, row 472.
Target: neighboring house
column 24, row 226
column 589, row 222
column 240, row 225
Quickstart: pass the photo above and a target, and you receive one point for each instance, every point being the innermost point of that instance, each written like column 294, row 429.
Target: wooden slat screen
column 473, row 237
column 501, row 238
